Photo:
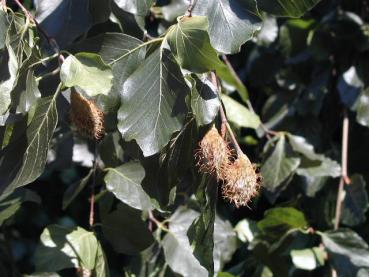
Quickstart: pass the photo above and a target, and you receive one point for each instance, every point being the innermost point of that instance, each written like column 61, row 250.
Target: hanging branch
column 344, row 177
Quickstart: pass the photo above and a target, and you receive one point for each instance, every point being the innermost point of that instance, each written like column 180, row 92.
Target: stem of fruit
column 92, row 193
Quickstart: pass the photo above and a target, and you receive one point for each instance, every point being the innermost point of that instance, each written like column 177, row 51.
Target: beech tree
column 184, row 138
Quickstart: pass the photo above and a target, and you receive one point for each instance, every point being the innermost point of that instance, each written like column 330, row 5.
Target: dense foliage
column 127, row 129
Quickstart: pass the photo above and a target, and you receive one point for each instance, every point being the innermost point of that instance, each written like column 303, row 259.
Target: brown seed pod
column 241, row 182
column 86, row 116
column 213, row 154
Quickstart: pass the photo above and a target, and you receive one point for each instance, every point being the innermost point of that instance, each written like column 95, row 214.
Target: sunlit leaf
column 154, row 95
column 125, row 182
column 291, row 8
column 88, row 72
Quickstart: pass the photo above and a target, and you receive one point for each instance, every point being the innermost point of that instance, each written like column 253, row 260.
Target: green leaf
column 313, row 165
column 190, row 44
column 348, row 252
column 290, row 8
column 88, row 72
column 74, row 189
column 308, row 259
column 24, row 158
column 101, row 264
column 280, row 220
column 231, row 22
column 154, row 95
column 174, row 9
column 10, row 205
column 4, row 24
column 246, row 230
column 126, row 231
column 63, row 20
column 204, row 100
column 362, row 108
column 8, row 60
column 239, row 115
column 63, row 247
column 29, row 97
column 355, row 202
column 278, row 166
column 138, row 7
column 125, row 182
column 176, row 245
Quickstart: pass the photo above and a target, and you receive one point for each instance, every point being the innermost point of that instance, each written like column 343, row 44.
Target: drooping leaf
column 176, row 245
column 290, row 8
column 139, row 7
column 4, row 24
column 63, row 20
column 204, row 100
column 74, row 189
column 278, row 166
column 308, row 259
column 355, row 203
column 153, row 94
column 126, row 231
column 125, row 182
column 280, row 220
column 190, row 44
column 231, row 22
column 239, row 115
column 88, row 72
column 362, row 108
column 24, row 158
column 10, row 205
column 8, row 69
column 30, row 96
column 348, row 252
column 63, row 247
column 313, row 165
column 111, row 47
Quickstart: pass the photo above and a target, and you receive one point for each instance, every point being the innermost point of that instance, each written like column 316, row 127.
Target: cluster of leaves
column 146, row 66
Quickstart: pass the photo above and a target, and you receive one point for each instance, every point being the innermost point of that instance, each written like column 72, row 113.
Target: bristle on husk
column 86, row 116
column 241, row 181
column 213, row 154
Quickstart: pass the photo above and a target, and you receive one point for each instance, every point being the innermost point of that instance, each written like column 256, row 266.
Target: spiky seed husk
column 213, row 154
column 241, row 181
column 86, row 116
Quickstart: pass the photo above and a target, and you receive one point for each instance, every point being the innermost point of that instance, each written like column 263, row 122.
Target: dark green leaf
column 125, row 182
column 348, row 252
column 63, row 247
column 308, row 259
column 63, row 20
column 239, row 115
column 190, row 44
column 30, row 96
column 139, row 7
column 291, row 8
column 23, row 159
column 280, row 220
column 126, row 231
column 355, row 204
column 278, row 166
column 10, row 205
column 8, row 69
column 204, row 100
column 153, row 94
column 362, row 108
column 176, row 245
column 88, row 72
column 231, row 22
column 74, row 189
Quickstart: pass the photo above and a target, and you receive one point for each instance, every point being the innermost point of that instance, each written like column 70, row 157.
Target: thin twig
column 344, row 178
column 159, row 224
column 92, row 193
column 190, row 8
